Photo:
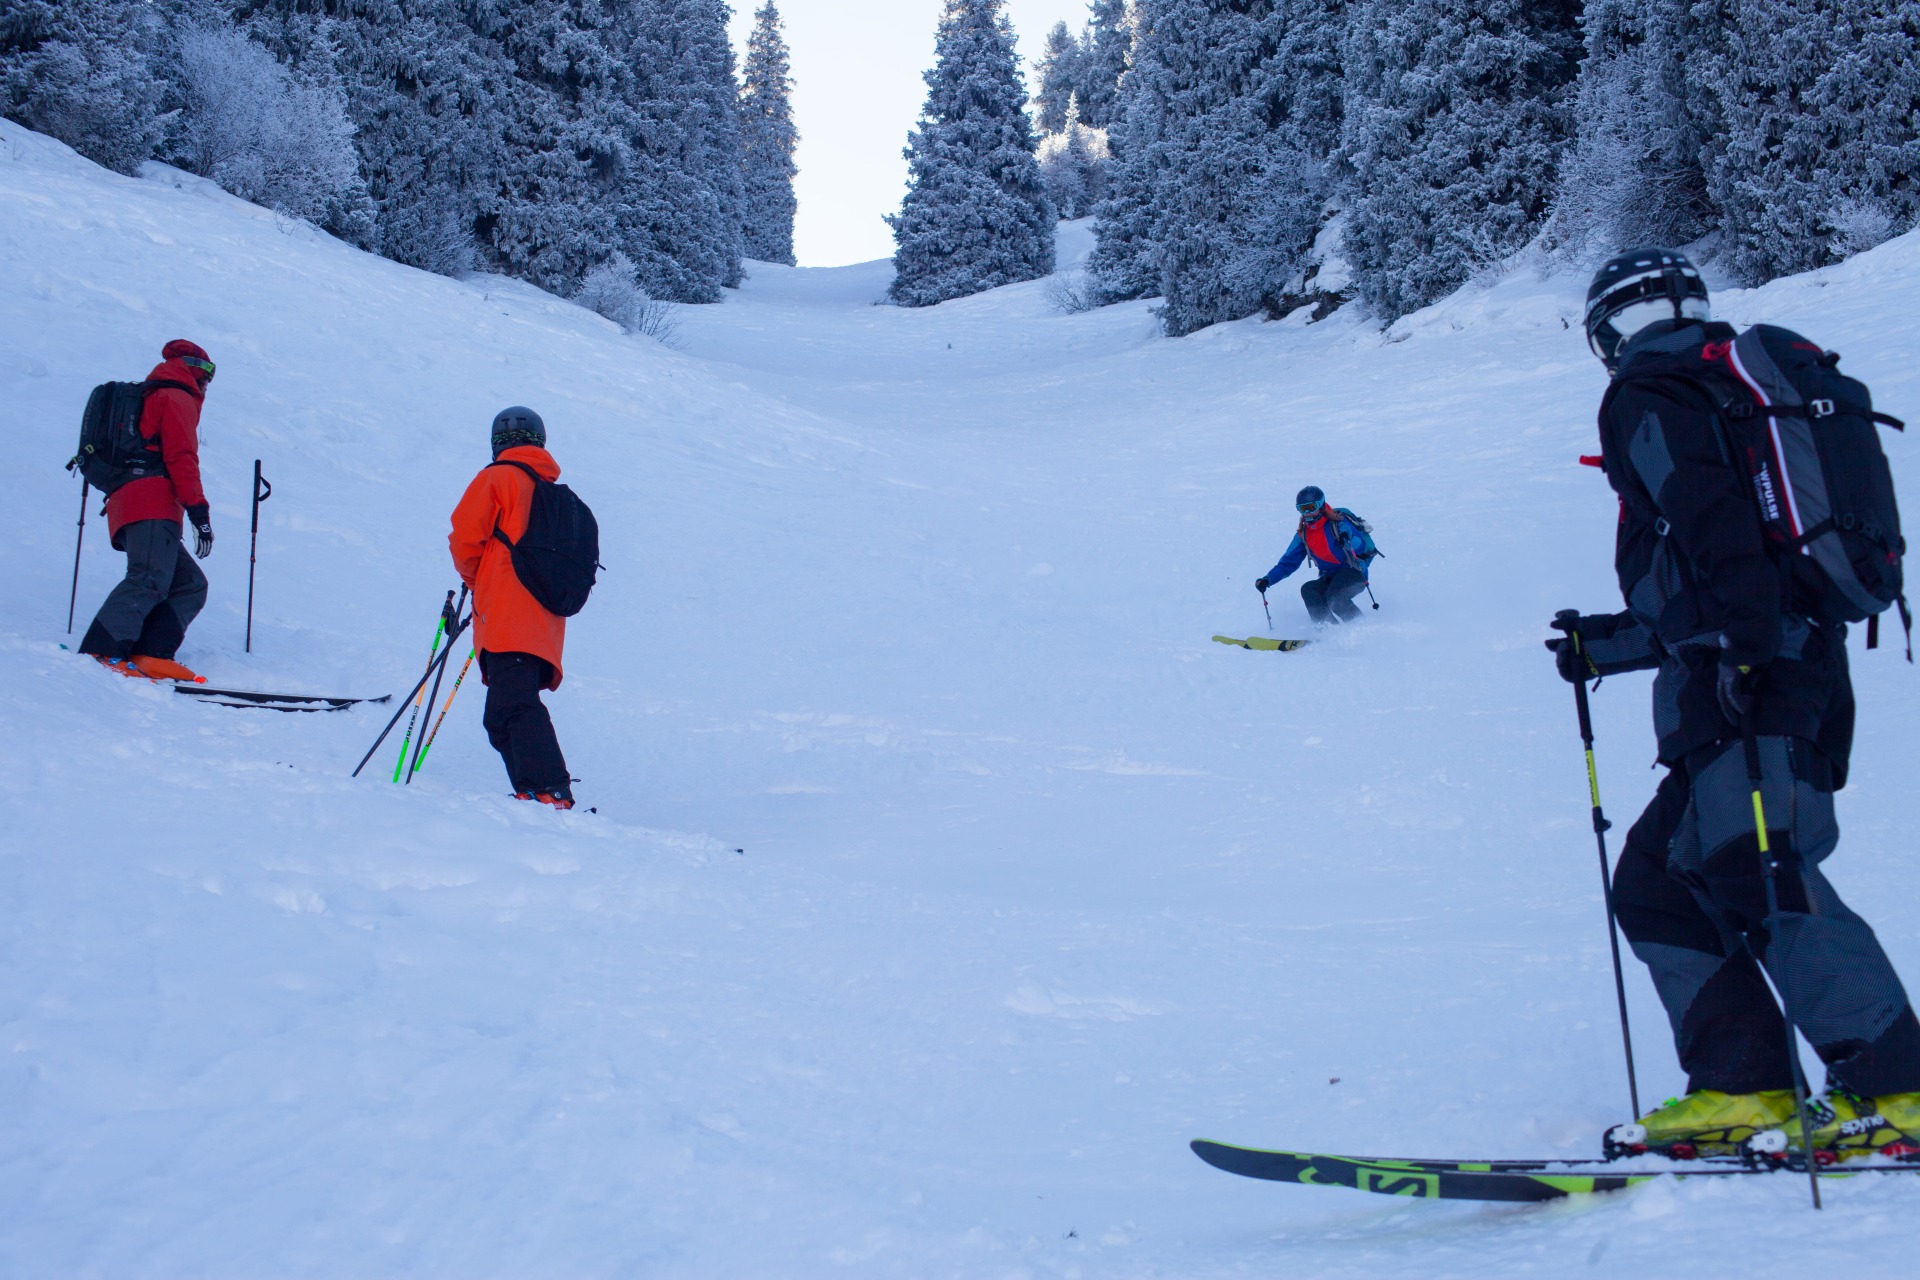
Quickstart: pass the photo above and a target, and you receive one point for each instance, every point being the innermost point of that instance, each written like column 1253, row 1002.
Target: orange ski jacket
column 506, row 617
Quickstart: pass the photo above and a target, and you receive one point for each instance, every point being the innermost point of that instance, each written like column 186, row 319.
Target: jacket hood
column 532, row 455
column 177, row 374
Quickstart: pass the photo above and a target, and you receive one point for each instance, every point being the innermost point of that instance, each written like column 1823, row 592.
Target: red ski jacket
column 171, row 421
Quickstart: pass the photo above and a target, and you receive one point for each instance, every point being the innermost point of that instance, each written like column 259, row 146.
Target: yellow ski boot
column 1706, row 1123
column 1849, row 1127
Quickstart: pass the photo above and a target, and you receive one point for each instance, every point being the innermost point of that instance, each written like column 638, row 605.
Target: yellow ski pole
column 1770, row 866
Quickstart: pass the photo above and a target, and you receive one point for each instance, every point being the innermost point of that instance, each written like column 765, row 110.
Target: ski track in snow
column 946, row 877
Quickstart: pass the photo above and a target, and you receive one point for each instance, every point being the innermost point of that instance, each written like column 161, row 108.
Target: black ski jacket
column 1700, row 585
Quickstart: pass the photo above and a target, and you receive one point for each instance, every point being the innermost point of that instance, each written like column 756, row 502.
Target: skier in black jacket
column 1731, row 634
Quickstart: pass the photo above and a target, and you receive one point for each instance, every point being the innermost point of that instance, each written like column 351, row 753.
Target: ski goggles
column 1310, row 508
column 203, row 367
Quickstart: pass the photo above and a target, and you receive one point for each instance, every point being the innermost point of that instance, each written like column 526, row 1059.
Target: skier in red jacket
column 145, row 618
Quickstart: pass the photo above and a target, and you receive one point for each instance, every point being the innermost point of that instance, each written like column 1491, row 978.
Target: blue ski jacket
column 1332, row 541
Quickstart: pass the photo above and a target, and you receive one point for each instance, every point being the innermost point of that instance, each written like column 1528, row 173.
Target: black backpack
column 112, row 451
column 558, row 556
column 1806, row 436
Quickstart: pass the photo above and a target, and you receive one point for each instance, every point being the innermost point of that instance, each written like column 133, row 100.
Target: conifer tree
column 1455, row 123
column 1218, row 196
column 79, row 71
column 1635, row 175
column 1106, row 51
column 1819, row 153
column 1058, row 72
column 767, row 141
column 976, row 214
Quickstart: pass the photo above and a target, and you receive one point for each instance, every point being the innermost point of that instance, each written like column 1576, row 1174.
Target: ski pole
column 1770, row 865
column 447, row 617
column 437, row 664
column 1568, row 620
column 435, row 695
column 253, row 549
column 73, row 599
column 457, row 682
column 1263, row 605
column 1371, row 596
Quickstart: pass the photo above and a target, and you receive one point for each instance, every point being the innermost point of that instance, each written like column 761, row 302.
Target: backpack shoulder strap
column 533, row 475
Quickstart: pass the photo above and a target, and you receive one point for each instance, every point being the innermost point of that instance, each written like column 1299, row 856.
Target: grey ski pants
column 149, row 612
column 1692, row 901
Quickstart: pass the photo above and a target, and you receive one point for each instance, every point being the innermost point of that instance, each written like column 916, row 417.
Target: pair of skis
column 290, row 702
column 1491, row 1180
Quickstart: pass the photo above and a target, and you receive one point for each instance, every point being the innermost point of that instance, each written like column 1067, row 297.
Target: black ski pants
column 517, row 722
column 1691, row 899
column 149, row 612
column 1329, row 598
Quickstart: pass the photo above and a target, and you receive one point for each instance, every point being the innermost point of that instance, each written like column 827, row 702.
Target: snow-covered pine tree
column 1239, row 203
column 1106, row 51
column 1058, row 74
column 682, row 221
column 1635, row 174
column 429, row 95
column 1456, row 120
column 1819, row 153
column 79, row 70
column 1126, row 257
column 767, row 141
column 976, row 214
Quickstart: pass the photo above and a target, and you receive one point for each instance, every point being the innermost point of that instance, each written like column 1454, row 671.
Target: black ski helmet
column 1310, row 500
column 1637, row 288
column 516, row 426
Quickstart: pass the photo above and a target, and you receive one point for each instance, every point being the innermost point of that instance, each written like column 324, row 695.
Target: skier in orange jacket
column 520, row 644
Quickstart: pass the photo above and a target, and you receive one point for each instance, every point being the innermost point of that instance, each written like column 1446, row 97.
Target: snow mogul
column 1757, row 520
column 1341, row 546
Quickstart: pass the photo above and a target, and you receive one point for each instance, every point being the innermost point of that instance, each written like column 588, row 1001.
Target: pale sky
column 856, row 67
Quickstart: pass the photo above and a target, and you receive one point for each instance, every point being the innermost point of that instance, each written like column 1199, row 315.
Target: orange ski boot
column 164, row 669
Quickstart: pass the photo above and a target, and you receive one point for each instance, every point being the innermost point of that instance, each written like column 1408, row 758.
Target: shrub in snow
column 1455, row 121
column 767, row 141
column 611, row 290
column 976, row 214
column 250, row 125
column 78, row 70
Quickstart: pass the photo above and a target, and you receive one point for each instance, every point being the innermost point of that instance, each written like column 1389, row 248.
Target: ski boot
column 121, row 667
column 1702, row 1124
column 557, row 797
column 1846, row 1127
column 164, row 669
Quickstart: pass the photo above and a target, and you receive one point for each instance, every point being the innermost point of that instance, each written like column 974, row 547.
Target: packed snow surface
column 946, row 878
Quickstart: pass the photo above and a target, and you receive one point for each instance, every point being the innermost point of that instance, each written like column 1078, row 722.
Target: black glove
column 1574, row 663
column 201, row 520
column 1261, row 585
column 1736, row 685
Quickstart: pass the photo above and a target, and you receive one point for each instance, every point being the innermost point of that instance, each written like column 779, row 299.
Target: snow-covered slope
column 945, row 879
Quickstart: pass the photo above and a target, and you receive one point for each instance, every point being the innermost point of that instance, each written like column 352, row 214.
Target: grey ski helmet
column 1636, row 289
column 516, row 426
column 1310, row 500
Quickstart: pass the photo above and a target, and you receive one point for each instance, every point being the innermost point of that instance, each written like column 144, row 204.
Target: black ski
column 245, row 698
column 1498, row 1180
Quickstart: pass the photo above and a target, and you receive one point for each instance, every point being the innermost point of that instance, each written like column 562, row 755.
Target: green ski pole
column 439, row 632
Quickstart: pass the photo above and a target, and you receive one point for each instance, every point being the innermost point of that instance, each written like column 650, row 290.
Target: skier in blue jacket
column 1341, row 548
